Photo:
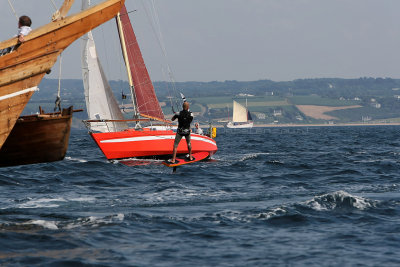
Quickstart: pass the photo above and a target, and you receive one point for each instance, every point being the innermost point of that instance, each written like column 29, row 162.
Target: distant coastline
column 297, row 103
column 313, row 125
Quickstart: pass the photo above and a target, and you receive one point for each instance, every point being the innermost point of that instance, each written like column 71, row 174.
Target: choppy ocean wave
column 317, row 196
column 340, row 200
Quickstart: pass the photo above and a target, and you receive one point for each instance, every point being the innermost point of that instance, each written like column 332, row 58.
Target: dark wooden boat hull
column 37, row 139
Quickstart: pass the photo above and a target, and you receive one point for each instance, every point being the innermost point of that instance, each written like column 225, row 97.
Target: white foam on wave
column 82, row 199
column 41, row 203
column 179, row 194
column 382, row 160
column 245, row 217
column 91, row 221
column 339, row 199
column 367, row 161
column 135, row 159
column 94, row 221
column 273, row 213
column 52, row 225
column 76, row 159
column 275, row 162
column 51, row 202
column 248, row 218
column 326, row 202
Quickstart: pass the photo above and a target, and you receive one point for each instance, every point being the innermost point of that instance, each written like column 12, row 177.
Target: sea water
column 306, row 196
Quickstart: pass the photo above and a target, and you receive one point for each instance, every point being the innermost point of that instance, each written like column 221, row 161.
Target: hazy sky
column 209, row 40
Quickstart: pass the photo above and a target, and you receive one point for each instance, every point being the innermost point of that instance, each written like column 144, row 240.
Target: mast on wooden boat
column 63, row 11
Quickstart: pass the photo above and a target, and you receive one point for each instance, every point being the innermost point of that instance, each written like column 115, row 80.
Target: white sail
column 100, row 100
column 239, row 112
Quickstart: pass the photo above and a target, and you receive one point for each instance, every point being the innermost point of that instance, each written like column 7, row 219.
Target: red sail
column 146, row 99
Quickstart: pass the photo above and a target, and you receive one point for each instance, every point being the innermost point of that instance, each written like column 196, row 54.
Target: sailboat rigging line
column 54, row 4
column 59, row 77
column 13, row 10
column 161, row 38
column 106, row 54
column 169, row 96
column 120, row 64
column 119, row 75
column 155, row 25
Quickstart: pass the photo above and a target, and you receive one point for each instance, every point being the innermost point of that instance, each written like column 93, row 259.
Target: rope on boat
column 54, row 4
column 57, row 103
column 13, row 10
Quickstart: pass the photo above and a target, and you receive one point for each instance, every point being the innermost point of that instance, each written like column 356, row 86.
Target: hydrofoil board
column 182, row 160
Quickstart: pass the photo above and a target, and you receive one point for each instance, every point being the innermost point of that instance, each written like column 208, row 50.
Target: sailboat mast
column 63, row 11
column 127, row 65
column 247, row 110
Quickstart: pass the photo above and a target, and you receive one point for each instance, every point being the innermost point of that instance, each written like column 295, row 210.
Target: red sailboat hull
column 147, row 143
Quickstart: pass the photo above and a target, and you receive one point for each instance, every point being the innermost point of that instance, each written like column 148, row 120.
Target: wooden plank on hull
column 27, row 69
column 10, row 109
column 21, row 85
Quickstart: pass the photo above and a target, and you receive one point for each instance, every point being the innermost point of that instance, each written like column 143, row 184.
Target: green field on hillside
column 224, row 102
column 266, row 108
column 321, row 101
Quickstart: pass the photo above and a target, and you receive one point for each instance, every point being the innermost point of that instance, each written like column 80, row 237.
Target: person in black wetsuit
column 184, row 117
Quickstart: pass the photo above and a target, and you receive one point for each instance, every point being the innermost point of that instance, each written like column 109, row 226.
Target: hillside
column 299, row 101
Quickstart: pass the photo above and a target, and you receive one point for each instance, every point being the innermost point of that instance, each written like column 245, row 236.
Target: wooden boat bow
column 22, row 69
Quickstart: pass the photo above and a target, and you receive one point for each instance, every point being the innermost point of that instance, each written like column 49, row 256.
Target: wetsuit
column 184, row 117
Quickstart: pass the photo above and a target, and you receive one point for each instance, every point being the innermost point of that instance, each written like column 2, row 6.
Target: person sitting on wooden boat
column 185, row 118
column 24, row 27
column 197, row 130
